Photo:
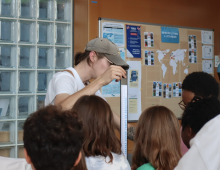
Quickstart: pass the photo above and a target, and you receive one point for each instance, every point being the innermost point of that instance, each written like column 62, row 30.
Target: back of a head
column 157, row 139
column 201, row 84
column 98, row 121
column 199, row 112
column 53, row 138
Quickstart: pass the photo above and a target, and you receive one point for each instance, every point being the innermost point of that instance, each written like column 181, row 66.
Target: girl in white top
column 101, row 147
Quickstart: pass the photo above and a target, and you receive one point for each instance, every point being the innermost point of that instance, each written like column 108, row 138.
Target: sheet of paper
column 207, row 52
column 149, row 58
column 207, row 66
column 111, row 90
column 148, row 39
column 207, row 37
column 134, row 90
column 167, row 90
column 157, row 89
column 217, row 60
column 177, row 89
column 114, row 32
column 132, row 104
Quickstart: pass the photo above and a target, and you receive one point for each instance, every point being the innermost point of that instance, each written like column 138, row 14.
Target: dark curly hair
column 199, row 111
column 201, row 84
column 53, row 138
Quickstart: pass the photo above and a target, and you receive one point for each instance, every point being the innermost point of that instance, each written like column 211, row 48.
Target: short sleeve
column 65, row 84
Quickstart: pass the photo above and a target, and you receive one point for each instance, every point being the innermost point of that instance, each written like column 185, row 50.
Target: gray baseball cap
column 111, row 51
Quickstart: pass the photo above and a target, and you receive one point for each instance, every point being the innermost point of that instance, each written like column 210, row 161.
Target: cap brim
column 117, row 60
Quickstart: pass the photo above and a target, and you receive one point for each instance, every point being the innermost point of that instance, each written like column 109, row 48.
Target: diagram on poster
column 192, row 49
column 148, row 39
column 207, row 37
column 157, row 89
column 134, row 78
column 207, row 52
column 177, row 56
column 114, row 32
column 207, row 66
column 177, row 89
column 149, row 58
column 167, row 90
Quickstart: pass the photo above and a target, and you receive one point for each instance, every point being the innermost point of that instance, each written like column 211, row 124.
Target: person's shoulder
column 14, row 163
column 147, row 166
column 120, row 161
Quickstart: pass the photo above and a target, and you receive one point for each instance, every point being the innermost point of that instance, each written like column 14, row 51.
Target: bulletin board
column 163, row 67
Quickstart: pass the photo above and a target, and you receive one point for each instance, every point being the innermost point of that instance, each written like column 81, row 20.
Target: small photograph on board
column 192, row 56
column 192, row 42
column 177, row 89
column 157, row 89
column 167, row 90
column 133, row 78
column 148, row 39
column 149, row 58
column 146, row 43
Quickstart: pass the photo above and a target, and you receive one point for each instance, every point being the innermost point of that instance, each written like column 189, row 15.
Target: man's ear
column 92, row 56
column 78, row 159
column 28, row 159
column 191, row 134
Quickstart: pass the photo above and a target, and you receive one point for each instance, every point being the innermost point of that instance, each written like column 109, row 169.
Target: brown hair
column 85, row 55
column 98, row 121
column 157, row 139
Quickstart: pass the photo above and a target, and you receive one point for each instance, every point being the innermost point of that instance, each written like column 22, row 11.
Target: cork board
column 154, row 73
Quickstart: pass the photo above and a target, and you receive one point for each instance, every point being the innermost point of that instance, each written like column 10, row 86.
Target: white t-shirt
column 204, row 153
column 64, row 82
column 92, row 163
column 14, row 164
column 100, row 163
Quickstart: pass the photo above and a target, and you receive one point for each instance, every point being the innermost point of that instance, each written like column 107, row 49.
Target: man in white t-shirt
column 201, row 133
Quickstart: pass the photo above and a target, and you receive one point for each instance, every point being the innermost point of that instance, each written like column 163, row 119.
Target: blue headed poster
column 169, row 35
column 133, row 41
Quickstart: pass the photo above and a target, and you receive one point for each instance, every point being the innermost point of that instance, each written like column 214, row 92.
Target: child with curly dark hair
column 52, row 140
column 200, row 133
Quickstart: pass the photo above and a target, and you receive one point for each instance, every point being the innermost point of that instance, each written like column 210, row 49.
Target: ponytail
column 85, row 55
column 80, row 57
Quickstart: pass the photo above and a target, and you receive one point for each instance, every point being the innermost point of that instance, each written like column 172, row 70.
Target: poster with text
column 207, row 37
column 134, row 90
column 169, row 35
column 207, row 66
column 207, row 52
column 114, row 32
column 149, row 58
column 133, row 41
